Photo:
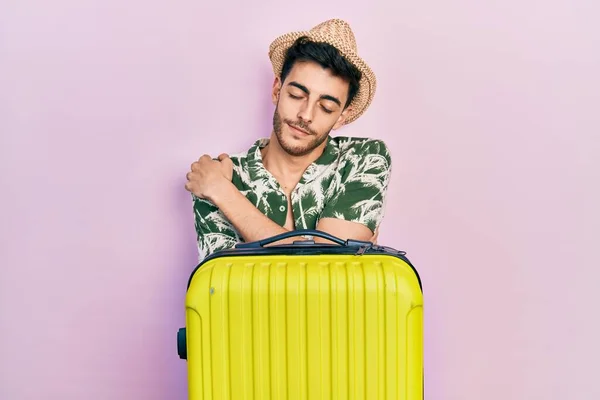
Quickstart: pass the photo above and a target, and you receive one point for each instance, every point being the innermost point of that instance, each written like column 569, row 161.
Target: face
column 309, row 104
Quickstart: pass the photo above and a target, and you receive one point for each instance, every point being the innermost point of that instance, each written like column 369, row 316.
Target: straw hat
column 337, row 33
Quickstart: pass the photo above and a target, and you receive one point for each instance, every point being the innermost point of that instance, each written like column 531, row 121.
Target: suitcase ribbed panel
column 298, row 327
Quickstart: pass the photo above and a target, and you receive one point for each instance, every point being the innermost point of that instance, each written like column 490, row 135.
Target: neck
column 286, row 168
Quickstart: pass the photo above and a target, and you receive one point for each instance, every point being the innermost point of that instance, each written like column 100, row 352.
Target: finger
column 375, row 235
column 205, row 157
column 227, row 161
column 192, row 187
column 223, row 156
column 189, row 176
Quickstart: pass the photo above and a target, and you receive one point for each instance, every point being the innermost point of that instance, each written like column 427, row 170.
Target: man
column 300, row 177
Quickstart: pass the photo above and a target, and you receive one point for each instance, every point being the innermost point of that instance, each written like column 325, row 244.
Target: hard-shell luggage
column 341, row 320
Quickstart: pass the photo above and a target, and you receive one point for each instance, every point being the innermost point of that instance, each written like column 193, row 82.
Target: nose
column 306, row 112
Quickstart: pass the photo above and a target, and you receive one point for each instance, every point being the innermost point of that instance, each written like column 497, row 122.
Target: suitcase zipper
column 388, row 249
column 362, row 249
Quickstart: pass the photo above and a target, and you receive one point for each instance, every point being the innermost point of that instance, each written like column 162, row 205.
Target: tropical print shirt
column 348, row 181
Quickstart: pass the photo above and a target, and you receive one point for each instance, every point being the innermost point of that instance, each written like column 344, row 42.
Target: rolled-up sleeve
column 214, row 232
column 362, row 187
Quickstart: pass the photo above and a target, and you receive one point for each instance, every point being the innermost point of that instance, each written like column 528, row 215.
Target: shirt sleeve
column 362, row 185
column 214, row 232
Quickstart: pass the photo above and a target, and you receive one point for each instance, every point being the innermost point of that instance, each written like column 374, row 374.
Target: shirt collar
column 257, row 170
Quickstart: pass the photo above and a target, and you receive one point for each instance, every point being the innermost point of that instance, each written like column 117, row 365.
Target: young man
column 300, row 177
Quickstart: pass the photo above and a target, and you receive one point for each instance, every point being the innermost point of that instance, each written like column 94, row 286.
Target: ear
column 342, row 118
column 276, row 90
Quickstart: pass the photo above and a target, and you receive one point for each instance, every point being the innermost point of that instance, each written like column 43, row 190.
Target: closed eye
column 328, row 111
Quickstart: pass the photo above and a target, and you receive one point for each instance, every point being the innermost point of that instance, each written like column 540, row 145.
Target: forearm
column 250, row 223
column 253, row 225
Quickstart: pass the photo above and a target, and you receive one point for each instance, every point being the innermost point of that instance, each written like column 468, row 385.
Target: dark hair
column 328, row 57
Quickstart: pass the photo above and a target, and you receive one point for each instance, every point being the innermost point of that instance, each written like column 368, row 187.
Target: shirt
column 348, row 181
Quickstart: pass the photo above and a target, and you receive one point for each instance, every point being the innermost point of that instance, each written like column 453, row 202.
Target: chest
column 299, row 208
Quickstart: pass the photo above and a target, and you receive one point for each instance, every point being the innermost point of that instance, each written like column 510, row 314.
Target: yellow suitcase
column 341, row 320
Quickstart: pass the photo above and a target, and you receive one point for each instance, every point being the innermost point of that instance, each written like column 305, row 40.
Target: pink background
column 491, row 109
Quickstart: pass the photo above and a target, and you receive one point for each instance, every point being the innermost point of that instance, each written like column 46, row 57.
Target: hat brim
column 367, row 84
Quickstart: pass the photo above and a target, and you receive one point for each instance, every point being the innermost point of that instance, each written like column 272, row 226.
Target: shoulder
column 363, row 149
column 244, row 158
column 239, row 159
column 245, row 161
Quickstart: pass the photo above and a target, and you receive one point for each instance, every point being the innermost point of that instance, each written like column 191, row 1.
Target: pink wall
column 491, row 111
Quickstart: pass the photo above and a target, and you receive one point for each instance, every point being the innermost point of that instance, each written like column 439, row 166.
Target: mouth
column 298, row 130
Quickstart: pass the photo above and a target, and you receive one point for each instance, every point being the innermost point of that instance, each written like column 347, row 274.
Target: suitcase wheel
column 181, row 344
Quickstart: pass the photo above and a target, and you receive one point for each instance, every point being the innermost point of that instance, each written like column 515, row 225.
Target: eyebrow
column 324, row 97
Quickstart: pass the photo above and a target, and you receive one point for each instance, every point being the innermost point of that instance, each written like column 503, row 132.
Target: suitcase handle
column 302, row 232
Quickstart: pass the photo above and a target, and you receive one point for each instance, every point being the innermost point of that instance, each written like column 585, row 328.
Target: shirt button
column 282, row 208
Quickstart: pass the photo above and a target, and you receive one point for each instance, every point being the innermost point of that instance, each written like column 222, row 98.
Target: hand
column 226, row 166
column 208, row 175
